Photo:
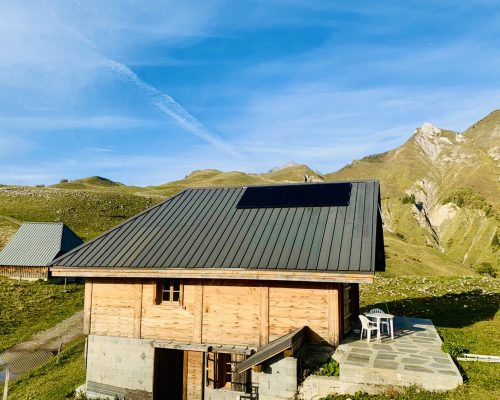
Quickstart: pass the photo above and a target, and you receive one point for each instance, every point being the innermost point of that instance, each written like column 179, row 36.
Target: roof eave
column 214, row 273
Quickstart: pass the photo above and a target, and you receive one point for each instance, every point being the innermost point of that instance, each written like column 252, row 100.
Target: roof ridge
column 281, row 184
column 42, row 223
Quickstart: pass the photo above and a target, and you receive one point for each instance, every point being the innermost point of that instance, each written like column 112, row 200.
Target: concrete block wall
column 277, row 381
column 222, row 394
column 121, row 363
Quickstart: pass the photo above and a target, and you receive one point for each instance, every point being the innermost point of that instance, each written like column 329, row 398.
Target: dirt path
column 11, row 219
column 50, row 339
column 42, row 346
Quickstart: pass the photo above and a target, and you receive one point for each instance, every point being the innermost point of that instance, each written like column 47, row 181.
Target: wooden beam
column 198, row 313
column 264, row 316
column 138, row 309
column 333, row 315
column 87, row 307
column 214, row 273
column 185, row 362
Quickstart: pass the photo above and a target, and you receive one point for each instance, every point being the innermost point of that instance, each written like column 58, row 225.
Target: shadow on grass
column 453, row 310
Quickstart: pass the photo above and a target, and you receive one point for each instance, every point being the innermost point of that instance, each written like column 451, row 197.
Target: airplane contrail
column 162, row 101
column 170, row 107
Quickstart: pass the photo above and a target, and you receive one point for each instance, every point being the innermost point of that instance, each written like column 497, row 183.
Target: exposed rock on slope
column 441, row 189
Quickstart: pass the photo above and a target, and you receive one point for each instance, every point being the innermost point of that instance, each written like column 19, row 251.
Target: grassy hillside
column 87, row 212
column 92, row 182
column 56, row 379
column 440, row 198
column 29, row 307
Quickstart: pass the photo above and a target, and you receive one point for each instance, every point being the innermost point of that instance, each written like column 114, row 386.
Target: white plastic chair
column 368, row 326
column 383, row 322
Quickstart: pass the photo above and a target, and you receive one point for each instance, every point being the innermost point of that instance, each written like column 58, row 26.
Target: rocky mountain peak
column 427, row 129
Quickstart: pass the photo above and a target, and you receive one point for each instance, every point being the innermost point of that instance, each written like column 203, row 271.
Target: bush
column 400, row 236
column 485, row 268
column 408, row 199
column 495, row 242
column 375, row 157
column 465, row 197
column 330, row 368
column 64, row 180
column 453, row 349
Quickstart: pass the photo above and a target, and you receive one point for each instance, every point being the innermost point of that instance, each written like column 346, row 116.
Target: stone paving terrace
column 414, row 357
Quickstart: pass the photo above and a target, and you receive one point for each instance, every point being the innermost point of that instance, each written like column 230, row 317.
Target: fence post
column 6, row 384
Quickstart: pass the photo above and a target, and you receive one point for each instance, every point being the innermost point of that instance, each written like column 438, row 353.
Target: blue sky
column 144, row 92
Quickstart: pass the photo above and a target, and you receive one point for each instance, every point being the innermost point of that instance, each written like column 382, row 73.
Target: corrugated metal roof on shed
column 36, row 244
column 203, row 228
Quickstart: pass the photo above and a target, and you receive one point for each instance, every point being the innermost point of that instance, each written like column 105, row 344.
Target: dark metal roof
column 36, row 244
column 292, row 340
column 203, row 228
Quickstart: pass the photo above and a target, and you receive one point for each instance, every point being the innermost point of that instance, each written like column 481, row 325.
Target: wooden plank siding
column 225, row 312
column 194, row 372
column 21, row 272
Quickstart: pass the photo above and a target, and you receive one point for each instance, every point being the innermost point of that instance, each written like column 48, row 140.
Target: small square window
column 169, row 291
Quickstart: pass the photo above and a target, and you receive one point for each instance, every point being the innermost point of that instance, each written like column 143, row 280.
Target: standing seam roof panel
column 281, row 239
column 366, row 247
column 235, row 245
column 159, row 224
column 211, row 227
column 317, row 240
column 345, row 248
column 290, row 240
column 203, row 228
column 192, row 241
column 306, row 246
column 338, row 233
column 265, row 257
column 226, row 230
column 190, row 223
column 165, row 230
column 240, row 254
column 357, row 232
column 253, row 246
column 104, row 250
column 185, row 259
column 298, row 243
column 326, row 244
column 130, row 239
column 168, row 233
column 264, row 240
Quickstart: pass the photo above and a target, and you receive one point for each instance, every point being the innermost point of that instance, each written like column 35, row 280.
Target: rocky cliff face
column 441, row 190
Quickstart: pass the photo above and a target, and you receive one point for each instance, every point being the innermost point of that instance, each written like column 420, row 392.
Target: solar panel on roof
column 305, row 195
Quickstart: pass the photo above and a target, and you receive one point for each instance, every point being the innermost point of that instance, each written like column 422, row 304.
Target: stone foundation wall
column 222, row 394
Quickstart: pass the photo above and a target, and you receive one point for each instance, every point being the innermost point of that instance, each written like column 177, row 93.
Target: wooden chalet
column 33, row 247
column 216, row 293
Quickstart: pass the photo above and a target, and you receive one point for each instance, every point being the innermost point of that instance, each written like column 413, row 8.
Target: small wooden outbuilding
column 178, row 297
column 33, row 247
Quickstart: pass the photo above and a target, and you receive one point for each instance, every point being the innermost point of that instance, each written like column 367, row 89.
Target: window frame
column 346, row 307
column 220, row 372
column 167, row 290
